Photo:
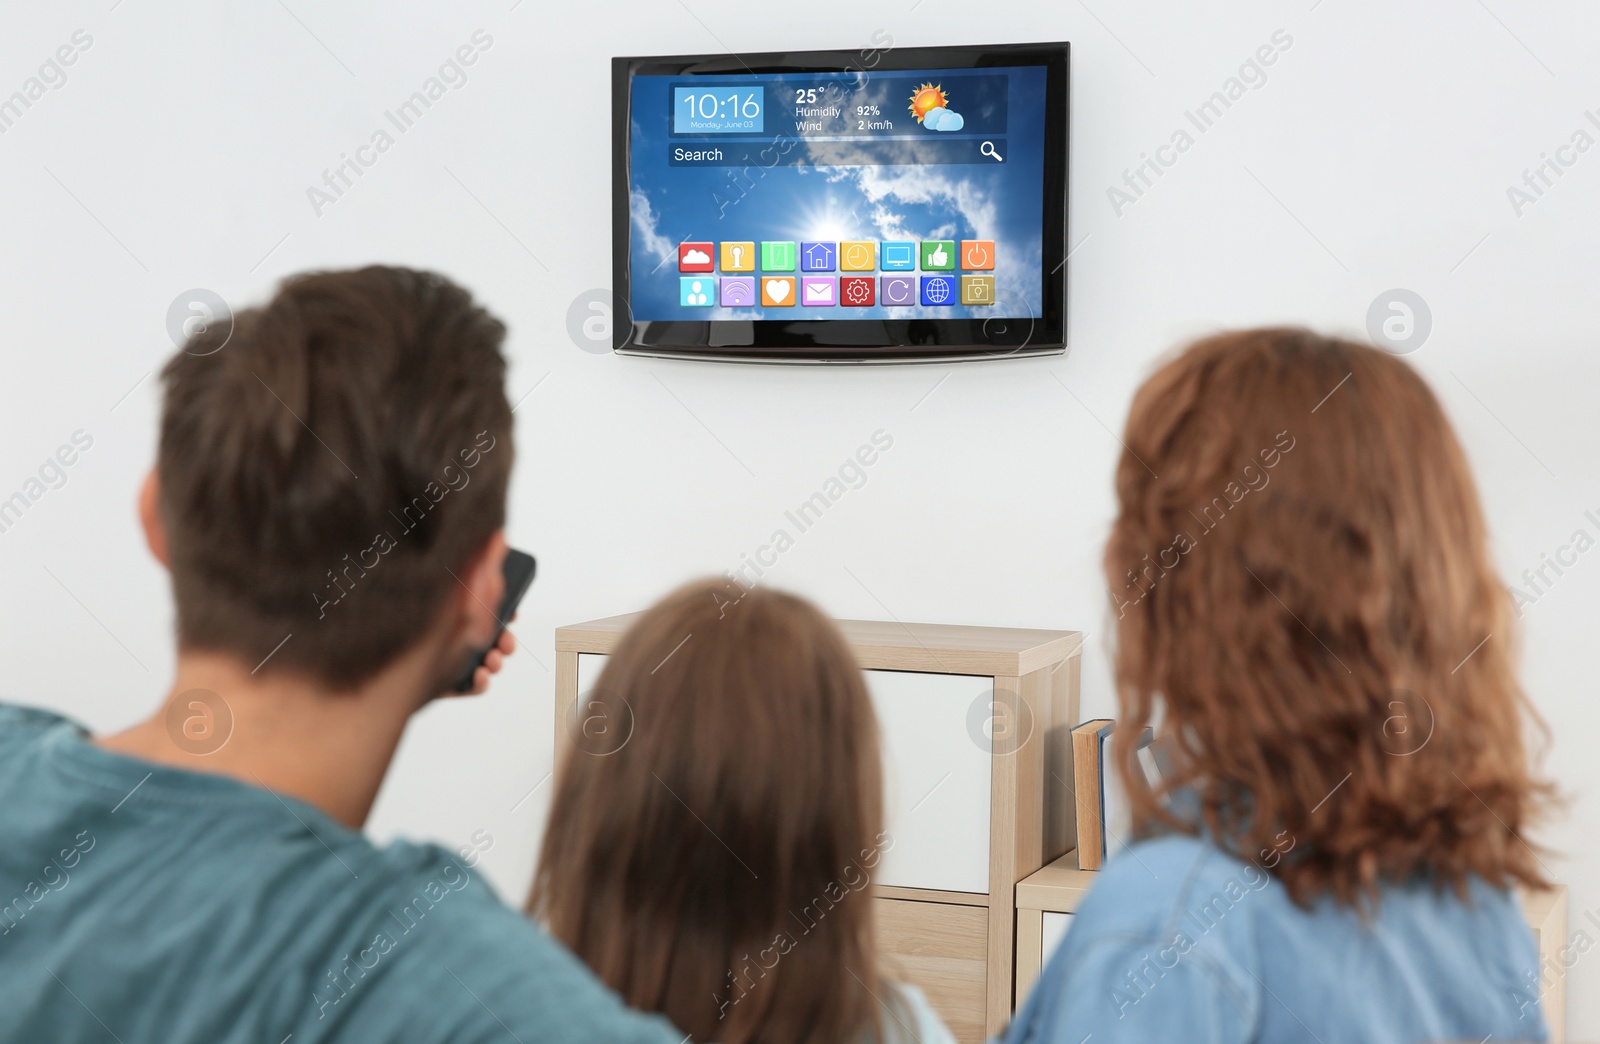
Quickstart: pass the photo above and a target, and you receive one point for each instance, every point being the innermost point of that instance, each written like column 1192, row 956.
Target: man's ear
column 484, row 585
column 155, row 534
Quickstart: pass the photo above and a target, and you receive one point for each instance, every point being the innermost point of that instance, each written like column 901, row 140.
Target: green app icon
column 777, row 257
column 938, row 255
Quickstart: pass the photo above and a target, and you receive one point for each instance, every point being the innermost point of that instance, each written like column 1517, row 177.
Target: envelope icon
column 818, row 291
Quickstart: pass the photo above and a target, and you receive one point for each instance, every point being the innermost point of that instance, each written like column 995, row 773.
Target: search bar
column 788, row 151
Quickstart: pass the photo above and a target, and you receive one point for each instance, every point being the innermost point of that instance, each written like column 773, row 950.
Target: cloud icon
column 696, row 257
column 942, row 119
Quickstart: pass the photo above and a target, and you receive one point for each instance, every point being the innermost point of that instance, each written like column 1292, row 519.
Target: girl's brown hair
column 1304, row 598
column 713, row 867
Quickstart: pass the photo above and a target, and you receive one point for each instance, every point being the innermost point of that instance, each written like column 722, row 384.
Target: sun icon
column 926, row 98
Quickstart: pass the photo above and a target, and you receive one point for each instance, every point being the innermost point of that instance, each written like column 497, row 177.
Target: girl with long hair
column 709, row 853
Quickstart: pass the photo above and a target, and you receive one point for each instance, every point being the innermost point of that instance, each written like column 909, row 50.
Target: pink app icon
column 738, row 292
column 818, row 291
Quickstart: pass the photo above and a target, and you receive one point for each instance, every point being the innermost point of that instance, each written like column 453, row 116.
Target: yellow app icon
column 738, row 257
column 977, row 290
column 858, row 255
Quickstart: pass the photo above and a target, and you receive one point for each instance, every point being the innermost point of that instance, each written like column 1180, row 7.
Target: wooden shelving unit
column 948, row 930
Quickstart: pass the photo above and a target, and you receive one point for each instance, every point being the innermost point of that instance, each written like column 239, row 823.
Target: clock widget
column 718, row 110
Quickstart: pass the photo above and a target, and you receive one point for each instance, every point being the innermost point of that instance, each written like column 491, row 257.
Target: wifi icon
column 737, row 292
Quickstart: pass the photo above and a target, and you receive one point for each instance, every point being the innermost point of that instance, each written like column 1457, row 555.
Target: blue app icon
column 938, row 290
column 819, row 257
column 698, row 291
column 899, row 256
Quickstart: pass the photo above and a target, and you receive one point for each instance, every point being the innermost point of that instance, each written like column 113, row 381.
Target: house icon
column 818, row 257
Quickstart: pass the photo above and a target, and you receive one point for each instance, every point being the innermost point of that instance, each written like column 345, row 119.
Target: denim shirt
column 1181, row 941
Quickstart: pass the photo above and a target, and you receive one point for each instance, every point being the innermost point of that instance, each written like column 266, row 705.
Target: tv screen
column 874, row 205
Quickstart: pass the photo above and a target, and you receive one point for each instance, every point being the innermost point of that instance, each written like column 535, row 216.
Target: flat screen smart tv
column 876, row 205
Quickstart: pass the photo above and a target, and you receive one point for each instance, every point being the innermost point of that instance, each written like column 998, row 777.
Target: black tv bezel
column 852, row 340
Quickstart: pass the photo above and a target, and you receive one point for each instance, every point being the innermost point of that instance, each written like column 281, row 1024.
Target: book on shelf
column 1104, row 822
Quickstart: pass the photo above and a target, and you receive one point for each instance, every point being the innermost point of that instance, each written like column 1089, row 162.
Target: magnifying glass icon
column 987, row 149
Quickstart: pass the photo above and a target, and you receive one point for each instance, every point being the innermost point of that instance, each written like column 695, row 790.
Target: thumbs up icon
column 938, row 255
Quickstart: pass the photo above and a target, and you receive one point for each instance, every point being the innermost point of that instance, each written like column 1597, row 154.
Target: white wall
column 1377, row 155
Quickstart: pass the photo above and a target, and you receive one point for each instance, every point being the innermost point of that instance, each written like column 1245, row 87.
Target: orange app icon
column 777, row 291
column 977, row 255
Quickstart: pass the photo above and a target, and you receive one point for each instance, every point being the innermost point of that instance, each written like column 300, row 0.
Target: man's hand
column 492, row 662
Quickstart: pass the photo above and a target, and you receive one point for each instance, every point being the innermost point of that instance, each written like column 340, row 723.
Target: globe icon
column 937, row 291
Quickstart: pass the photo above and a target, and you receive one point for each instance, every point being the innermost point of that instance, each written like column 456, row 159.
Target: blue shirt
column 145, row 903
column 1179, row 941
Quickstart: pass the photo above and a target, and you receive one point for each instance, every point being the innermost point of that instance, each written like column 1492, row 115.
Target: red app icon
column 856, row 290
column 696, row 257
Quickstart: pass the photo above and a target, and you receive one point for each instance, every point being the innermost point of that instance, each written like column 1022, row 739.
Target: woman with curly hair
column 1307, row 617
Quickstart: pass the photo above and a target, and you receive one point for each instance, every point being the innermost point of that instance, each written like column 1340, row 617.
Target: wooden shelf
column 883, row 645
column 959, row 946
column 1058, row 888
column 931, row 895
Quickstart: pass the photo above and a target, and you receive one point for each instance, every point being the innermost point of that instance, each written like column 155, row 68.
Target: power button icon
column 977, row 255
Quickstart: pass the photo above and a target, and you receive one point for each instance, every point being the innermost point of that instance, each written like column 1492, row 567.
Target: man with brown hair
column 328, row 496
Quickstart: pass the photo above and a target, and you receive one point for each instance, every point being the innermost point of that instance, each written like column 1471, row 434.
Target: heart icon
column 778, row 289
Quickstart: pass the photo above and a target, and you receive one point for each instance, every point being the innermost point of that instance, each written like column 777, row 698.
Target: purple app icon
column 738, row 292
column 818, row 291
column 898, row 290
column 818, row 257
